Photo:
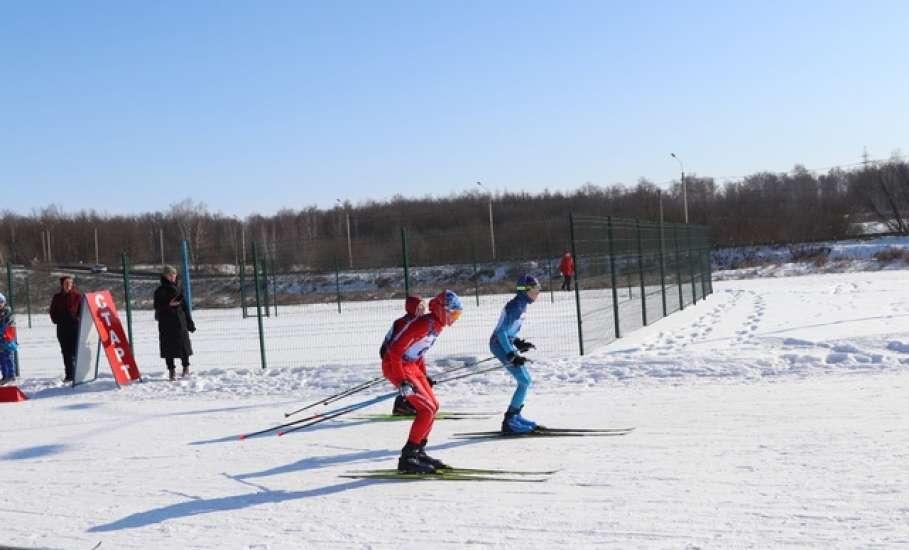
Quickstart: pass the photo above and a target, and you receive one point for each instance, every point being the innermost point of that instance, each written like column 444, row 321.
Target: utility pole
column 161, row 244
column 97, row 255
column 492, row 234
column 684, row 187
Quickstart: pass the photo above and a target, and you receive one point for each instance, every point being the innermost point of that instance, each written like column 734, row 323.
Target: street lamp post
column 492, row 234
column 349, row 248
column 684, row 187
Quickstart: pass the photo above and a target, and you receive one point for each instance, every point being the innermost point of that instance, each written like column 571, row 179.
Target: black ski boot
column 425, row 458
column 410, row 462
column 402, row 407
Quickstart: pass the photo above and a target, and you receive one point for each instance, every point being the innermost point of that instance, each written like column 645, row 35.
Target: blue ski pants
column 521, row 375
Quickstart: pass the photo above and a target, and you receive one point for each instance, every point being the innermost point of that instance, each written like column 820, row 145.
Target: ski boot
column 533, row 425
column 410, row 462
column 426, row 459
column 402, row 407
column 514, row 424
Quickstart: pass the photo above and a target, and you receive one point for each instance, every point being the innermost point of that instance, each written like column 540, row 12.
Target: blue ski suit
column 501, row 344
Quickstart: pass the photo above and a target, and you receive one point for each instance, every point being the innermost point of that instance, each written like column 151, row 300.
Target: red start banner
column 113, row 338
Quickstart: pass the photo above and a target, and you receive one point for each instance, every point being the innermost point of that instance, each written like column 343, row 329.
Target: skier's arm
column 508, row 319
column 416, row 330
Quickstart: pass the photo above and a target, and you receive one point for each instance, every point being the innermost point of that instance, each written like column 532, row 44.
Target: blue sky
column 255, row 106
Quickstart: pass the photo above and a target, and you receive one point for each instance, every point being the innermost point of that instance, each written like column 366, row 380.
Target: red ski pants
column 421, row 397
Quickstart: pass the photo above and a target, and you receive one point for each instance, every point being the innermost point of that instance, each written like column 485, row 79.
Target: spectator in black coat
column 65, row 309
column 174, row 323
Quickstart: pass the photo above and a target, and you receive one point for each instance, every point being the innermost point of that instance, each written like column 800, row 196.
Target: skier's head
column 446, row 307
column 529, row 285
column 414, row 305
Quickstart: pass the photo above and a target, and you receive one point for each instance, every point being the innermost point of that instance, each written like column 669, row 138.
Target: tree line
column 765, row 207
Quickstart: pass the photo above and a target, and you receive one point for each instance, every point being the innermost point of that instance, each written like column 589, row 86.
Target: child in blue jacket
column 8, row 344
column 505, row 345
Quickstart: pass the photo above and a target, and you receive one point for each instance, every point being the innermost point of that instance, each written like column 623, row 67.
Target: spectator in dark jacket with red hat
column 64, row 312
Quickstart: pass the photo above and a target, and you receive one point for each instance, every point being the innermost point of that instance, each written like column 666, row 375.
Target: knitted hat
column 169, row 270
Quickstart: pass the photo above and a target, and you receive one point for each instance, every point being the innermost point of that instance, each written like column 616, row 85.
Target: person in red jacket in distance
column 566, row 268
column 403, row 366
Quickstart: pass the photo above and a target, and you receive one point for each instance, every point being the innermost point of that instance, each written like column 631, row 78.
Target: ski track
column 770, row 415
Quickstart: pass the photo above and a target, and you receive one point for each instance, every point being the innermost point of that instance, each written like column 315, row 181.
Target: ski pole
column 320, row 415
column 340, row 395
column 317, row 419
column 368, row 384
column 465, row 375
column 338, row 412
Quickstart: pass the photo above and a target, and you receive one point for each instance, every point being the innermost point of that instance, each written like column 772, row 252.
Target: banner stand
column 99, row 311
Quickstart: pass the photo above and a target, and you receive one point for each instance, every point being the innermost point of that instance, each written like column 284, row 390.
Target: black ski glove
column 516, row 360
column 190, row 326
column 523, row 345
column 431, row 381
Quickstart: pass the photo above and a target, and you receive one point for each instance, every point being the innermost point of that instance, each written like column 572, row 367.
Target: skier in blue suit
column 505, row 345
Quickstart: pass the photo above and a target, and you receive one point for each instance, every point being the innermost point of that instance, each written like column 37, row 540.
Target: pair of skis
column 479, row 474
column 456, row 474
column 541, row 431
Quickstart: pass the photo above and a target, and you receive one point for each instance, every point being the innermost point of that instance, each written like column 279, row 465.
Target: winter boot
column 426, row 459
column 512, row 422
column 410, row 462
column 171, row 374
column 402, row 407
column 185, row 371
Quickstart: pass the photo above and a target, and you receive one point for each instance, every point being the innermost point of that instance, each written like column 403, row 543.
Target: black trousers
column 169, row 361
column 68, row 336
column 566, row 282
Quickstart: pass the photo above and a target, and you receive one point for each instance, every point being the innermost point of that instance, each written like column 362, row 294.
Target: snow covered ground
column 771, row 415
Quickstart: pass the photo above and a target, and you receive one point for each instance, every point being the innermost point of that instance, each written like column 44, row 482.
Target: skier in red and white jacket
column 415, row 307
column 403, row 366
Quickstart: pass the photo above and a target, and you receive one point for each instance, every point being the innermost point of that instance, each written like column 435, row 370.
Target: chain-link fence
column 299, row 304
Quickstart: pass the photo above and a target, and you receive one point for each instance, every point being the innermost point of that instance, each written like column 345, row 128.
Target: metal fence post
column 637, row 223
column 187, row 280
column 28, row 300
column 127, row 302
column 694, row 288
column 255, row 253
column 338, row 283
column 551, row 290
column 405, row 261
column 678, row 265
column 705, row 254
column 264, row 280
column 476, row 273
column 242, row 270
column 613, row 279
column 663, row 266
column 274, row 284
column 709, row 262
column 577, row 281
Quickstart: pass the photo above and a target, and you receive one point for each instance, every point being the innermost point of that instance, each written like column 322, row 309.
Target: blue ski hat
column 527, row 282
